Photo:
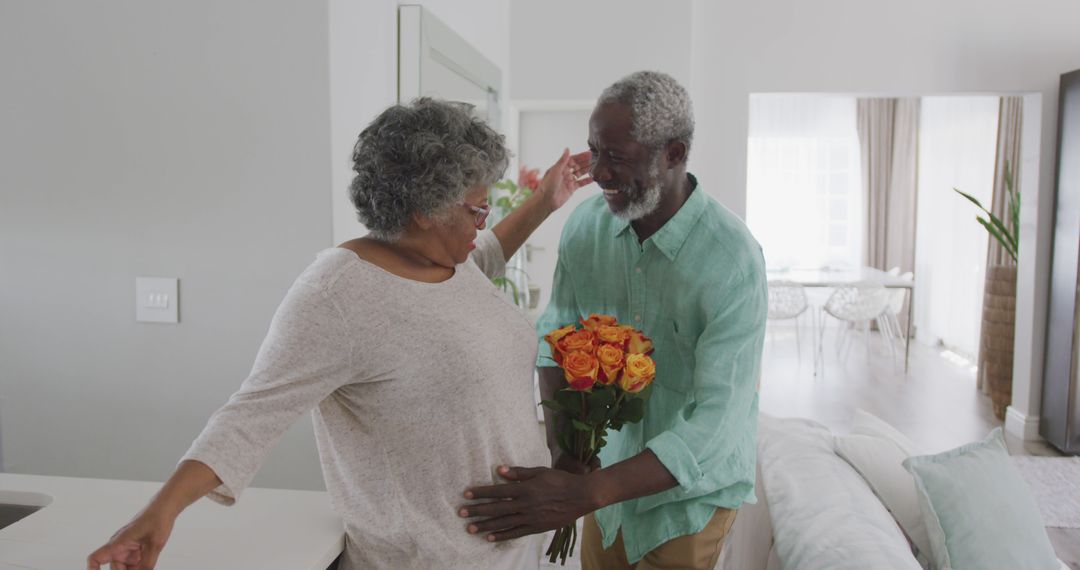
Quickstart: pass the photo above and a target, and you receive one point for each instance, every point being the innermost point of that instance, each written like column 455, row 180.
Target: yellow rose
column 553, row 337
column 580, row 369
column 612, row 334
column 639, row 372
column 611, row 362
column 596, row 320
column 639, row 343
column 578, row 341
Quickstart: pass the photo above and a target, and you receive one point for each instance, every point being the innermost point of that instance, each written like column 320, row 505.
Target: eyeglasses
column 481, row 213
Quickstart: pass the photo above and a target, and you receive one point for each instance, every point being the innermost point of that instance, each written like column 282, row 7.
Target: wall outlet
column 157, row 299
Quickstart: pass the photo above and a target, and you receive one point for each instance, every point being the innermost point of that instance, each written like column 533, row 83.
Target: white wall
column 207, row 141
column 567, row 50
column 363, row 82
column 151, row 139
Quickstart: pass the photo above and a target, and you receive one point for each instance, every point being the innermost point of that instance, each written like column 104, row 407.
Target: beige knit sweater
column 417, row 391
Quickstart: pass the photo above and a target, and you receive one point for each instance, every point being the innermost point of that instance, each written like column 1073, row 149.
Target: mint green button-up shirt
column 697, row 287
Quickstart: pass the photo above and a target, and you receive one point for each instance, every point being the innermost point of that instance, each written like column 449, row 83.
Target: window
column 804, row 196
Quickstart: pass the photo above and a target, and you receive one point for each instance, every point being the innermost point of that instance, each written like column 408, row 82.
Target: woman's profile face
column 458, row 234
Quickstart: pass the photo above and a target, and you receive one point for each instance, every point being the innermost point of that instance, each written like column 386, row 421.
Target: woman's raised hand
column 564, row 177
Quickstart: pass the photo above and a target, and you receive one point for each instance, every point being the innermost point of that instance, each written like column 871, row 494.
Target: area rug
column 1056, row 484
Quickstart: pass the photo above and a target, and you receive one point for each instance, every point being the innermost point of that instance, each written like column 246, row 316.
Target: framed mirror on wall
column 434, row 61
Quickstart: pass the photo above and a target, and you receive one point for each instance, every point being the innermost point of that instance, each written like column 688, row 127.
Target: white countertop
column 266, row 529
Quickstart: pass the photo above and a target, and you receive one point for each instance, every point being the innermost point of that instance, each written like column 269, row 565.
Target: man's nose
column 600, row 171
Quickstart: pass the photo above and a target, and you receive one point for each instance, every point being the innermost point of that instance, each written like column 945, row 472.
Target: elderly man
column 656, row 252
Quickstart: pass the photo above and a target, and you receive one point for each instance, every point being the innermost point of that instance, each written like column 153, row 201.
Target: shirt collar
column 670, row 238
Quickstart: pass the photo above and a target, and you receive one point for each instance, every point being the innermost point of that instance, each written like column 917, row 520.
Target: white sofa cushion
column 880, row 462
column 824, row 514
column 869, row 424
column 877, row 450
column 979, row 511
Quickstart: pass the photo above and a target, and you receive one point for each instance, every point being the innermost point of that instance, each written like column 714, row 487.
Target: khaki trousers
column 698, row 551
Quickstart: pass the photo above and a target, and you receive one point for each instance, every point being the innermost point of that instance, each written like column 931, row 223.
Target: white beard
column 649, row 200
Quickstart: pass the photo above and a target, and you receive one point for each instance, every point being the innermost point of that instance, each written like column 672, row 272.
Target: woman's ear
column 421, row 221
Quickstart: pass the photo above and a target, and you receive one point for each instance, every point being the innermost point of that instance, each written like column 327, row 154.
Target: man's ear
column 676, row 152
column 421, row 221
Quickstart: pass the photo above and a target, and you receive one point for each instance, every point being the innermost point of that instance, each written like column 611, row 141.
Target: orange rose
column 596, row 320
column 639, row 372
column 577, row 341
column 639, row 343
column 611, row 362
column 553, row 337
column 612, row 334
column 580, row 370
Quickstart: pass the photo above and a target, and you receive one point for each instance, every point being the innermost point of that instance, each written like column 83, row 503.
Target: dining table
column 834, row 277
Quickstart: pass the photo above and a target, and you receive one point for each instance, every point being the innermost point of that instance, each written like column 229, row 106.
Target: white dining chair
column 857, row 305
column 890, row 321
column 787, row 301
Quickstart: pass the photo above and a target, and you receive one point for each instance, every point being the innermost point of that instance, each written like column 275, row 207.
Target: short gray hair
column 421, row 158
column 660, row 108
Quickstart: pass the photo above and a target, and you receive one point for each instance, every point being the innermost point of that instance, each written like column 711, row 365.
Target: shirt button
column 638, row 270
column 637, row 317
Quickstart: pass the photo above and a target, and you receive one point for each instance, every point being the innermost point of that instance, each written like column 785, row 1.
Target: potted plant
column 508, row 195
column 999, row 300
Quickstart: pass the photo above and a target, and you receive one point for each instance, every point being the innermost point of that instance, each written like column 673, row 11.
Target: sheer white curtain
column 957, row 148
column 804, row 199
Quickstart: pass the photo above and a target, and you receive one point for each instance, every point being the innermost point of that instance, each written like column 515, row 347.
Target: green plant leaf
column 553, row 405
column 1003, row 229
column 1016, row 221
column 994, row 225
column 632, row 411
column 570, row 400
column 596, row 414
column 602, row 397
column 1005, row 242
column 972, row 199
column 565, row 439
column 582, row 426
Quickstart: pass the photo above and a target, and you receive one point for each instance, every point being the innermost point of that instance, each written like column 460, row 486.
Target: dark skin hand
column 540, row 499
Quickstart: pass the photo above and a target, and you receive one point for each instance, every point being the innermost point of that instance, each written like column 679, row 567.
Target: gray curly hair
column 421, row 158
column 660, row 108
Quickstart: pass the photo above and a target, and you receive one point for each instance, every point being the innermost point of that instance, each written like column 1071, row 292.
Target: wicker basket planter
column 998, row 332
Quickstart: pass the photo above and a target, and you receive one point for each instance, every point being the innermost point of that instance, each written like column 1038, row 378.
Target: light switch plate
column 157, row 299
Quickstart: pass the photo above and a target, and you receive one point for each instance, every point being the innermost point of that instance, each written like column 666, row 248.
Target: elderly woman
column 417, row 369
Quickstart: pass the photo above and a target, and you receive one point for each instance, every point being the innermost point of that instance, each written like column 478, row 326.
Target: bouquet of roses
column 607, row 369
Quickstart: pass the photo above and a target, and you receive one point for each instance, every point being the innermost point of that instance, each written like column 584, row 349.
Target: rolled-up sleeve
column 488, row 255
column 728, row 362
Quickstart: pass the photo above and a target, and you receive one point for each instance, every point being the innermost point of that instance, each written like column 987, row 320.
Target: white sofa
column 814, row 510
